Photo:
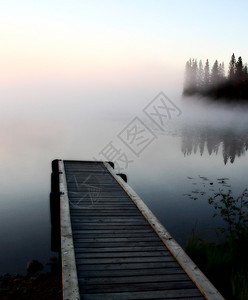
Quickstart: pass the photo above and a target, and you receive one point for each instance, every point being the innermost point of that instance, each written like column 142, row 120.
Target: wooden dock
column 113, row 247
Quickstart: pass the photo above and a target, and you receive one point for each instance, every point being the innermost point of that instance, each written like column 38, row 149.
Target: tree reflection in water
column 231, row 142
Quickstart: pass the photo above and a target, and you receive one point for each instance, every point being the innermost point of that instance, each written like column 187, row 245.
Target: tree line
column 214, row 82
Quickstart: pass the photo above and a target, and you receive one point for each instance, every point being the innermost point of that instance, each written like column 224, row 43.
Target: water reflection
column 197, row 140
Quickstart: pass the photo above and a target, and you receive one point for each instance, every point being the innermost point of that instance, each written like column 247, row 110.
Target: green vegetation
column 225, row 263
column 234, row 212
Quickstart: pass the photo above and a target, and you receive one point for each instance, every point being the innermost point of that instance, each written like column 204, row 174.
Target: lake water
column 195, row 154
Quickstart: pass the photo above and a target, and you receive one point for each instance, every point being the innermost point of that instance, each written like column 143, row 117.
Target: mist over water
column 205, row 141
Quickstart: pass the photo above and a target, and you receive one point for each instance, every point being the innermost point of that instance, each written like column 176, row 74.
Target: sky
column 70, row 60
column 116, row 42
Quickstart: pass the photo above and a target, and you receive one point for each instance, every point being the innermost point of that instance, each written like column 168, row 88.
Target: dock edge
column 69, row 271
column 201, row 281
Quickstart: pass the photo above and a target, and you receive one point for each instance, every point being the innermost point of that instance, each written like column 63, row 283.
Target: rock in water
column 34, row 266
column 53, row 258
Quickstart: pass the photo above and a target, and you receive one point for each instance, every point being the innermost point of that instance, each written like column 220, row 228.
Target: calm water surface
column 200, row 152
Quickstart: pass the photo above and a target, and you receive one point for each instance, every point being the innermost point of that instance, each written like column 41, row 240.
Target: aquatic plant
column 233, row 211
column 225, row 263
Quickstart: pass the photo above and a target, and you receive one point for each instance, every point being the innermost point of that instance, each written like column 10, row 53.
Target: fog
column 76, row 120
column 68, row 123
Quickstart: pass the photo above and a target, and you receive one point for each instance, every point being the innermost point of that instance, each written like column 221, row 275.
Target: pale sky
column 73, row 39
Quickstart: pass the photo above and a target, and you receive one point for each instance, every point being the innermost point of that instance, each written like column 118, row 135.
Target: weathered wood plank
column 87, row 172
column 84, row 166
column 97, row 191
column 94, row 236
column 74, row 185
column 115, row 225
column 125, row 250
column 105, row 213
column 104, row 208
column 83, row 205
column 122, row 254
column 115, row 244
column 134, row 279
column 107, row 192
column 69, row 273
column 128, row 266
column 101, row 194
column 127, row 273
column 101, row 203
column 162, row 294
column 96, row 205
column 135, row 287
column 102, row 214
column 116, row 239
column 109, row 226
column 79, row 233
column 105, row 197
column 100, row 198
column 102, row 220
column 101, row 208
column 100, row 231
column 123, row 260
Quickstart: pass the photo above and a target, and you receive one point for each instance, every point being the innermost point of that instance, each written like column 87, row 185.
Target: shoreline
column 38, row 286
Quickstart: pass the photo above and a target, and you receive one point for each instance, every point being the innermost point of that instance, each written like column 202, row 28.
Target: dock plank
column 121, row 254
column 122, row 260
column 115, row 244
column 129, row 273
column 123, row 250
column 134, row 279
column 128, row 266
column 162, row 294
column 118, row 252
column 134, row 287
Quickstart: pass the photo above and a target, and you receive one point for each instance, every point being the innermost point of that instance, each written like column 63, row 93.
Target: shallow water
column 174, row 170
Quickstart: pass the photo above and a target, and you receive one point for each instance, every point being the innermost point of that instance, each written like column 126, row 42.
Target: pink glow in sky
column 95, row 47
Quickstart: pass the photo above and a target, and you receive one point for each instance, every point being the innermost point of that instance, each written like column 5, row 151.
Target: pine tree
column 190, row 81
column 232, row 68
column 245, row 73
column 206, row 75
column 239, row 75
column 200, row 79
column 215, row 73
column 188, row 76
column 194, row 74
column 221, row 72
